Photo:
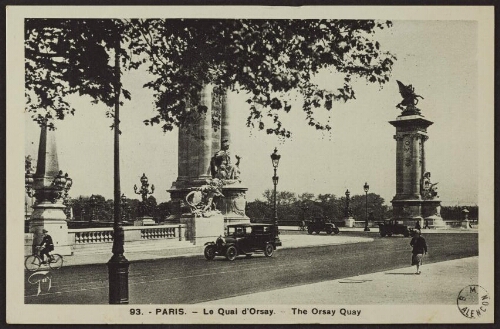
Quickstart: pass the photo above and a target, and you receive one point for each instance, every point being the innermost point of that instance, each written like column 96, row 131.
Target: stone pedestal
column 144, row 221
column 431, row 211
column 349, row 222
column 233, row 204
column 200, row 230
column 48, row 211
column 51, row 217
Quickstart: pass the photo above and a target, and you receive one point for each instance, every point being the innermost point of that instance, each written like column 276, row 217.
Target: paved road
column 194, row 280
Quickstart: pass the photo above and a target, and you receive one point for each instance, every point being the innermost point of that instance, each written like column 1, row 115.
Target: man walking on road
column 419, row 249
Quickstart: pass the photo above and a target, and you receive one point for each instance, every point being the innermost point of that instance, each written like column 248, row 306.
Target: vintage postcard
column 250, row 165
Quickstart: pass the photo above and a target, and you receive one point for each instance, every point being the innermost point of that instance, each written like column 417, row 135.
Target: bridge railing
column 132, row 233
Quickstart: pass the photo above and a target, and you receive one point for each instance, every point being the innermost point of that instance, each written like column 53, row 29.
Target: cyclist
column 47, row 246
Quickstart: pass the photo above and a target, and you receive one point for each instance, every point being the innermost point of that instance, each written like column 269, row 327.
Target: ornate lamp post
column 28, row 186
column 66, row 188
column 124, row 205
column 347, row 211
column 93, row 204
column 144, row 192
column 275, row 158
column 366, row 187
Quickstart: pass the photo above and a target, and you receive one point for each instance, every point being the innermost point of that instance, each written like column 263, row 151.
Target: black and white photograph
column 250, row 165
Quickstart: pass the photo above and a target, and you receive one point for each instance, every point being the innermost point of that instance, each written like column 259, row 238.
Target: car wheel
column 209, row 252
column 329, row 231
column 318, row 232
column 268, row 250
column 309, row 231
column 382, row 233
column 389, row 234
column 231, row 253
column 336, row 230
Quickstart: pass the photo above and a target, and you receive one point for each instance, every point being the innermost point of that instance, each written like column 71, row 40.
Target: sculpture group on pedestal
column 429, row 189
column 201, row 200
column 221, row 166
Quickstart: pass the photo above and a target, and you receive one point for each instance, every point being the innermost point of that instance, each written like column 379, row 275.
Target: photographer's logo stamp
column 473, row 301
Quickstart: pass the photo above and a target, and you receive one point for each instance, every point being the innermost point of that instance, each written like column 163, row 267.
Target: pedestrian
column 47, row 245
column 426, row 224
column 419, row 250
column 417, row 225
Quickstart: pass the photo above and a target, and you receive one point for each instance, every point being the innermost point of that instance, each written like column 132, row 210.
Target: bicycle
column 33, row 262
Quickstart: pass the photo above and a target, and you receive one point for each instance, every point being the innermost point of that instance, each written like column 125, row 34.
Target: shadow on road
column 401, row 273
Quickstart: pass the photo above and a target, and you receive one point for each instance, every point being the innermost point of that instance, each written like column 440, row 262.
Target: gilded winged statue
column 410, row 99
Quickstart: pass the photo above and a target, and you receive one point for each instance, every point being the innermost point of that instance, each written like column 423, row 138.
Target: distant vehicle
column 322, row 224
column 244, row 239
column 391, row 226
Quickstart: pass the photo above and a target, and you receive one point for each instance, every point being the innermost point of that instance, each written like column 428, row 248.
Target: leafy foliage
column 101, row 210
column 64, row 57
column 267, row 59
column 292, row 209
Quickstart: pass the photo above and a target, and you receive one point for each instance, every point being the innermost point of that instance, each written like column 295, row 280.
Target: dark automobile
column 244, row 239
column 390, row 227
column 322, row 224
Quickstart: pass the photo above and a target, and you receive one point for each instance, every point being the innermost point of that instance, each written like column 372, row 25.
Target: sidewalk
column 439, row 283
column 289, row 241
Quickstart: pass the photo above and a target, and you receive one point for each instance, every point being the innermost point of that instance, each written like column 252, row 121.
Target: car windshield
column 238, row 230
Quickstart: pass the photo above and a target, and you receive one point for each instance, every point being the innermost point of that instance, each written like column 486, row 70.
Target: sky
column 439, row 58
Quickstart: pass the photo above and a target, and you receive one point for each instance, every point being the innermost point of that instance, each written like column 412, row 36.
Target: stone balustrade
column 78, row 238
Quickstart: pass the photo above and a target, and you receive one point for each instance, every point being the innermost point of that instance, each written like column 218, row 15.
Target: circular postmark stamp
column 473, row 301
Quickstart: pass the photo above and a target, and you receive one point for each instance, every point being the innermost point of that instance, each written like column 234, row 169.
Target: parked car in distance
column 244, row 239
column 320, row 224
column 390, row 226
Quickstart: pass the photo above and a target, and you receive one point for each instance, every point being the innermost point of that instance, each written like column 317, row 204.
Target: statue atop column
column 221, row 166
column 410, row 99
column 429, row 189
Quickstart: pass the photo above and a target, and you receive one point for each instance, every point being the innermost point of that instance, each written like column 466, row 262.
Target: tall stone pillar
column 225, row 121
column 195, row 152
column 48, row 210
column 205, row 143
column 233, row 204
column 410, row 131
column 416, row 197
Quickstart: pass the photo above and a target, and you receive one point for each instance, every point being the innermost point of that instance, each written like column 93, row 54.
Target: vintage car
column 390, row 227
column 244, row 239
column 322, row 224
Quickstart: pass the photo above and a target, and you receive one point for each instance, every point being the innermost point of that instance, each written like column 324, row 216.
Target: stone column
column 416, row 166
column 399, row 164
column 218, row 107
column 183, row 153
column 48, row 211
column 410, row 131
column 205, row 143
column 225, row 121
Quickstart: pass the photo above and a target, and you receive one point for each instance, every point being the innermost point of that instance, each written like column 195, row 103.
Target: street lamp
column 143, row 192
column 366, row 187
column 93, row 204
column 124, row 206
column 275, row 158
column 347, row 211
column 67, row 186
